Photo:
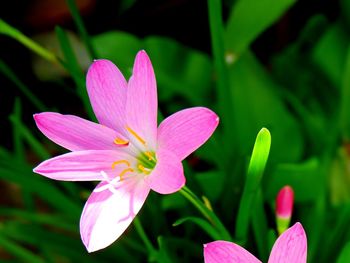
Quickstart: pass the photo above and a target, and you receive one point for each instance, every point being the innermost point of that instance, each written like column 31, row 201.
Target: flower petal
column 228, row 252
column 168, row 175
column 83, row 165
column 141, row 106
column 106, row 215
column 186, row 130
column 74, row 133
column 107, row 89
column 290, row 247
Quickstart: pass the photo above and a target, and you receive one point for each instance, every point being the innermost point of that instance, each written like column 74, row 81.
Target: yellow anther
column 136, row 135
column 143, row 169
column 124, row 172
column 119, row 162
column 150, row 156
column 119, row 141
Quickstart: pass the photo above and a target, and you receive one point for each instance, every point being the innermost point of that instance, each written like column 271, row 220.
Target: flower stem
column 143, row 236
column 81, row 28
column 223, row 81
column 206, row 212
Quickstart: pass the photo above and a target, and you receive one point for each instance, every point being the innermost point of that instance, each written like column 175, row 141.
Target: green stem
column 144, row 237
column 10, row 31
column 81, row 28
column 206, row 212
column 223, row 83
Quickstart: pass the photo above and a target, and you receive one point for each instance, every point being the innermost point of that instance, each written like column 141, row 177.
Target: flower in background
column 290, row 247
column 126, row 151
column 284, row 208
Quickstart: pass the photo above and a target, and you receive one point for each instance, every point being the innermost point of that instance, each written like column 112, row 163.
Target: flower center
column 146, row 160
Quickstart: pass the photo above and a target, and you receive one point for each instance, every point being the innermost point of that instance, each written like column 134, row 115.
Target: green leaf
column 164, row 255
column 255, row 172
column 55, row 220
column 10, row 31
column 207, row 227
column 301, row 177
column 81, row 28
column 330, row 53
column 188, row 74
column 46, row 190
column 249, row 18
column 71, row 63
column 29, row 137
column 344, row 256
column 257, row 104
column 344, row 118
column 21, row 253
column 7, row 72
column 212, row 183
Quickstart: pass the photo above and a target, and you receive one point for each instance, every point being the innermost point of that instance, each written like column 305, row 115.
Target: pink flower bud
column 284, row 208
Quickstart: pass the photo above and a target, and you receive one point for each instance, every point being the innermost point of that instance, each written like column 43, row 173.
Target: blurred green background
column 283, row 65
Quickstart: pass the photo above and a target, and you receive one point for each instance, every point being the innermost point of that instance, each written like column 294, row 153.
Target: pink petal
column 106, row 215
column 83, row 165
column 168, row 175
column 141, row 106
column 74, row 133
column 186, row 130
column 227, row 252
column 290, row 247
column 107, row 89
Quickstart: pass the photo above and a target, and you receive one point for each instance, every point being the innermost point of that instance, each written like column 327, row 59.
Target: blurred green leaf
column 212, row 183
column 179, row 70
column 18, row 251
column 163, row 255
column 249, row 18
column 81, row 28
column 344, row 256
column 55, row 220
column 257, row 105
column 173, row 201
column 71, row 63
column 207, row 227
column 6, row 71
column 120, row 47
column 10, row 31
column 29, row 138
column 344, row 111
column 330, row 53
column 40, row 187
column 301, row 177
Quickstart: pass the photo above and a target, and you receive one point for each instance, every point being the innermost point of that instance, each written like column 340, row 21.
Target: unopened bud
column 284, row 208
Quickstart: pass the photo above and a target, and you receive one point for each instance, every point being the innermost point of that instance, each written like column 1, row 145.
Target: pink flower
column 126, row 151
column 290, row 247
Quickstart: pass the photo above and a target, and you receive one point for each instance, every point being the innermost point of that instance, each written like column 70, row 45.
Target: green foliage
column 300, row 93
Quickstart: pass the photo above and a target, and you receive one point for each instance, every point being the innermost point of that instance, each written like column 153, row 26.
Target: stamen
column 124, row 172
column 119, row 162
column 150, row 156
column 143, row 169
column 119, row 141
column 136, row 135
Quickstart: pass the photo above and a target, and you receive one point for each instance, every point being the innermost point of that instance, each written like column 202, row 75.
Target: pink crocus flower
column 126, row 151
column 290, row 247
